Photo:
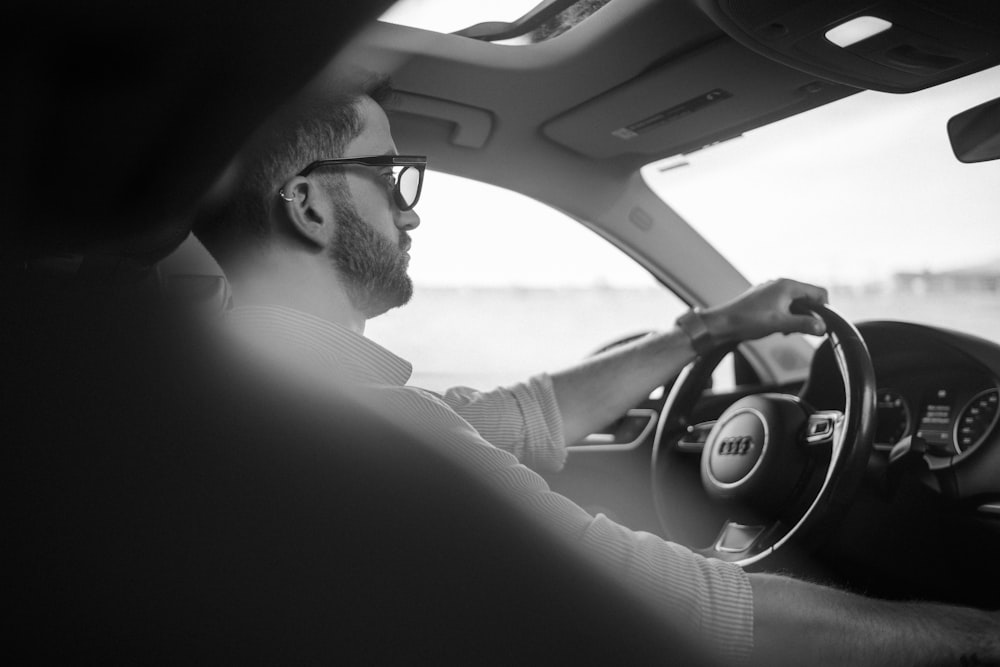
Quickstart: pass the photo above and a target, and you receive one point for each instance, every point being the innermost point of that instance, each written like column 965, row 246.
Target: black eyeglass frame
column 418, row 162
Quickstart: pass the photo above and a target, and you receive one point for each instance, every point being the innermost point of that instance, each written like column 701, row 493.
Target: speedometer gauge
column 976, row 420
column 893, row 420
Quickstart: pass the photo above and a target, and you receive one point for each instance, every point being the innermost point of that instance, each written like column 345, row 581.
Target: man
column 315, row 242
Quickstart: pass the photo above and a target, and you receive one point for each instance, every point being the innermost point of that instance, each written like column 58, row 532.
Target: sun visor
column 895, row 46
column 468, row 127
column 713, row 93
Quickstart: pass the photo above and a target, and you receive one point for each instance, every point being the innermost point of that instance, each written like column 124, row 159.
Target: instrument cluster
column 953, row 419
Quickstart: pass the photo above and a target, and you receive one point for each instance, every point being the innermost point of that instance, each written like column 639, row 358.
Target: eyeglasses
column 407, row 177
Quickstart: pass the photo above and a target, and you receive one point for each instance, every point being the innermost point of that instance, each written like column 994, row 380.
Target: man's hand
column 763, row 310
column 599, row 390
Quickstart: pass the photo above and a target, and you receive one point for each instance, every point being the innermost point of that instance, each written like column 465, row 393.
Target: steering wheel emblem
column 738, row 445
column 740, row 438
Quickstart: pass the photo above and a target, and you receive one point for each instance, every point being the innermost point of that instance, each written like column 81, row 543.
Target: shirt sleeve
column 709, row 598
column 522, row 419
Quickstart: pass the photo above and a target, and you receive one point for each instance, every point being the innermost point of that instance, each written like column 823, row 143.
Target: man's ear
column 308, row 210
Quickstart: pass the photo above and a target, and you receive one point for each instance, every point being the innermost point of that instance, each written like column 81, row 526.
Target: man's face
column 372, row 266
column 369, row 248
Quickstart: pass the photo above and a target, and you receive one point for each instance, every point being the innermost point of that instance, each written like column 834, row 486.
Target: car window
column 506, row 287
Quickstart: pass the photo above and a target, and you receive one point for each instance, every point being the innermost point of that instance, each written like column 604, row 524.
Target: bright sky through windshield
column 847, row 193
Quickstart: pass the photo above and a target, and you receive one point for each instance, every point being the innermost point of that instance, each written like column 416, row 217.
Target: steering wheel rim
column 786, row 487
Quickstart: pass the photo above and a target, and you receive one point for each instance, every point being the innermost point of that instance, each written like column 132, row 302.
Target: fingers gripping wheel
column 770, row 468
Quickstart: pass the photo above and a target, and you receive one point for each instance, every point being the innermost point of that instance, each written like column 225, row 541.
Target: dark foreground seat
column 170, row 501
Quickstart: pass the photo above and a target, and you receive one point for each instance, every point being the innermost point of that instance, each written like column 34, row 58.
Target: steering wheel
column 771, row 467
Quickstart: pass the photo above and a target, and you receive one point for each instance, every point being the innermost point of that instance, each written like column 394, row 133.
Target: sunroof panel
column 454, row 15
column 500, row 21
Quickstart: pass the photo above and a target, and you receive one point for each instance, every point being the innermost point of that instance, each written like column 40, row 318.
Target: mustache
column 404, row 241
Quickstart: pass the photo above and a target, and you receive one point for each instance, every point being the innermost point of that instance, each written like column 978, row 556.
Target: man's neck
column 306, row 284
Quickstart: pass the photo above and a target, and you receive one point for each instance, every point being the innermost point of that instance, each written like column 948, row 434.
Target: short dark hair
column 315, row 126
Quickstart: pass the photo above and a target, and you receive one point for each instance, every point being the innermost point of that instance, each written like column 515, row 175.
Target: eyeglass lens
column 408, row 186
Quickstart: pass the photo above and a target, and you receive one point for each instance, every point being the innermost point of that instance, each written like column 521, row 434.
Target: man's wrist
column 694, row 325
column 719, row 325
column 715, row 324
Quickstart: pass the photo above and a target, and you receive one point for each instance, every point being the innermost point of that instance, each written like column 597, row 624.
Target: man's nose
column 407, row 220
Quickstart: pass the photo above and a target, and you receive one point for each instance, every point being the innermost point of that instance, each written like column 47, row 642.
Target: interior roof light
column 856, row 30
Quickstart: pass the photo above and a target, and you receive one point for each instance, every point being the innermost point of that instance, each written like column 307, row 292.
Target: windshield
column 863, row 196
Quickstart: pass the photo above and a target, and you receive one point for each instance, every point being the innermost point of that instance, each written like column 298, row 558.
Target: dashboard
column 940, row 391
column 926, row 526
column 938, row 398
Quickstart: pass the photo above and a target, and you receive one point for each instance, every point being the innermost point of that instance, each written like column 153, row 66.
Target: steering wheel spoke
column 694, row 439
column 737, row 538
column 823, row 427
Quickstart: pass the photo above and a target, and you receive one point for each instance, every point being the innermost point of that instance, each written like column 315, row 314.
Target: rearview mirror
column 975, row 133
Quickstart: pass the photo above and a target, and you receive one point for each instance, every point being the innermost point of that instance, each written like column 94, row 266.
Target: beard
column 372, row 267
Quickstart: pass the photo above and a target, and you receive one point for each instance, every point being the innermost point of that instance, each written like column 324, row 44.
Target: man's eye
column 390, row 178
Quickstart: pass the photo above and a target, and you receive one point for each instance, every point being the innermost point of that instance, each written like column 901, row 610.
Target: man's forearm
column 797, row 623
column 600, row 390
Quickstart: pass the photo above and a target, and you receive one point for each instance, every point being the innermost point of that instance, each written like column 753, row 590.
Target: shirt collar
column 362, row 359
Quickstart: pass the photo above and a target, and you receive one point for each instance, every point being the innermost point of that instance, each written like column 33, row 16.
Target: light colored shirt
column 493, row 434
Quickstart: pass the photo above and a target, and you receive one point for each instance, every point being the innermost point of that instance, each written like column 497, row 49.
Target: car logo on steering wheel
column 735, row 446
